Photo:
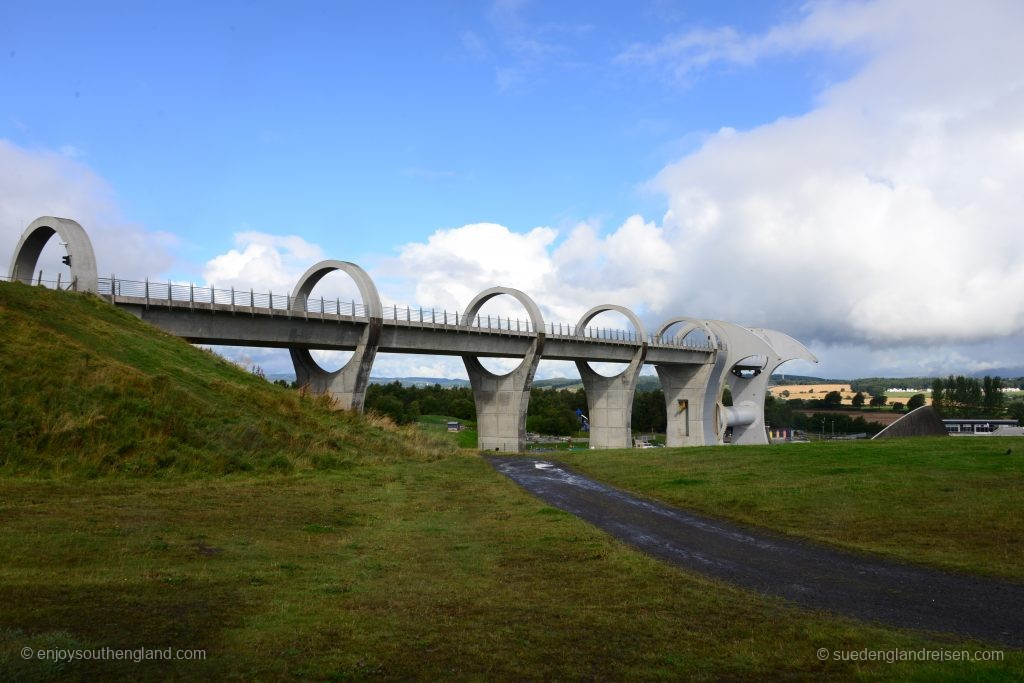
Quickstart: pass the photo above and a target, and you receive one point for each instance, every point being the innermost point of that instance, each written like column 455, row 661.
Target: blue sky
column 349, row 123
column 217, row 131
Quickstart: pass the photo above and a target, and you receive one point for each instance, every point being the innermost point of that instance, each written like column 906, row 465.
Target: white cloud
column 36, row 183
column 912, row 166
column 265, row 262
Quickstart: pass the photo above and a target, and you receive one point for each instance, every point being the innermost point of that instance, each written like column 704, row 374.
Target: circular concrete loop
column 532, row 310
column 604, row 308
column 79, row 249
column 367, row 291
column 692, row 324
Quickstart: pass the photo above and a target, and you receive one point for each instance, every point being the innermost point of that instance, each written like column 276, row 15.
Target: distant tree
column 726, row 397
column 993, row 399
column 858, row 399
column 1016, row 411
column 939, row 395
column 412, row 411
column 878, row 401
column 429, row 405
column 897, row 407
column 833, row 399
column 390, row 406
column 462, row 408
column 915, row 402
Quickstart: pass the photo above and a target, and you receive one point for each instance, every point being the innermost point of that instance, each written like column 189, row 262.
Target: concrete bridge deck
column 695, row 362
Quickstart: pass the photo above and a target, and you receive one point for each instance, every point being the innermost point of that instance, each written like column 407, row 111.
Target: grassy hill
column 87, row 389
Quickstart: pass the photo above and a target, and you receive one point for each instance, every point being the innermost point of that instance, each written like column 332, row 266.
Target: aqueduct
column 693, row 374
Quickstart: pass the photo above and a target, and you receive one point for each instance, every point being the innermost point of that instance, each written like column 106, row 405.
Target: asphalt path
column 860, row 586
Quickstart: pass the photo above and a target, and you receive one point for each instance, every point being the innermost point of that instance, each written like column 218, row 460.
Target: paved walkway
column 856, row 585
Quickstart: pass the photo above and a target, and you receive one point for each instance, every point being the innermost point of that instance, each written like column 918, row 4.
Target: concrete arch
column 610, row 399
column 81, row 256
column 483, row 297
column 367, row 289
column 532, row 310
column 347, row 384
column 502, row 400
column 604, row 308
column 694, row 324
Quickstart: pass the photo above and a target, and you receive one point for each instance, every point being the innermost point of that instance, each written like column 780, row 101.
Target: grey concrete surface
column 79, row 248
column 347, row 385
column 502, row 400
column 610, row 399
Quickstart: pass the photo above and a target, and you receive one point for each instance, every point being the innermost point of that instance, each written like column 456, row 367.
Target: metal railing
column 61, row 283
column 179, row 295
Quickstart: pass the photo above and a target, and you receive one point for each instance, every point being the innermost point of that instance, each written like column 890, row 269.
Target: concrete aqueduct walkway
column 693, row 376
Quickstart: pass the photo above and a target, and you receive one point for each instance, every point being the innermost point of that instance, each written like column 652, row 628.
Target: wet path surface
column 848, row 583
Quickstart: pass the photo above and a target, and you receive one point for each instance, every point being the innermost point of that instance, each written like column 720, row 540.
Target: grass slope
column 86, row 389
column 400, row 561
column 954, row 503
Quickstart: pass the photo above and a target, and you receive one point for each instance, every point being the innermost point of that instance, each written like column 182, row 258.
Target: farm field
column 818, row 391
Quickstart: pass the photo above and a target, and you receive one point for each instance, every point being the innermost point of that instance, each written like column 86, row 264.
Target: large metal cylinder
column 741, row 415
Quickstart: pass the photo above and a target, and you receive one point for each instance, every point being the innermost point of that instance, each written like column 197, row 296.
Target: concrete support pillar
column 751, row 356
column 502, row 400
column 746, row 417
column 610, row 399
column 690, row 395
column 348, row 384
column 81, row 259
column 749, row 392
column 745, row 357
column 693, row 392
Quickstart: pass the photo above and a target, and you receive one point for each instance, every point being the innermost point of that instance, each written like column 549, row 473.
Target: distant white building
column 960, row 426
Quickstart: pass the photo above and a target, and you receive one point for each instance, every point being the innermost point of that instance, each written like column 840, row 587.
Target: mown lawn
column 429, row 569
column 955, row 503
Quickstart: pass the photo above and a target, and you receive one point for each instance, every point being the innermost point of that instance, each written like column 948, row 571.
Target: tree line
column 967, row 397
column 551, row 411
column 554, row 411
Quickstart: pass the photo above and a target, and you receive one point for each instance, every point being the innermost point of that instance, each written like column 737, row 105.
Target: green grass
column 431, row 570
column 365, row 551
column 464, row 438
column 949, row 502
column 88, row 390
